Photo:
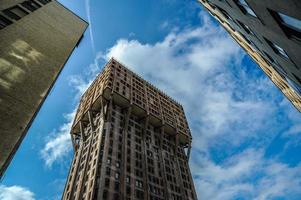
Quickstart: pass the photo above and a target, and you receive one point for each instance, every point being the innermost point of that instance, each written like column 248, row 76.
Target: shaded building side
column 37, row 37
column 270, row 32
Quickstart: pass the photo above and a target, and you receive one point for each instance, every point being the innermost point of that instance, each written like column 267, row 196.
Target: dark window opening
column 44, row 1
column 294, row 85
column 247, row 29
column 297, row 78
column 15, row 12
column 290, row 25
column 31, row 5
column 245, row 8
column 4, row 22
column 277, row 49
column 276, row 65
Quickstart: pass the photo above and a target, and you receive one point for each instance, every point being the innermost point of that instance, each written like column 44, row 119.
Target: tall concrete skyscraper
column 270, row 32
column 131, row 141
column 36, row 39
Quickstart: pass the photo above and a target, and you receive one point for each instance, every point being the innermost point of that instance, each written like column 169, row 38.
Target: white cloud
column 58, row 145
column 196, row 67
column 15, row 193
column 229, row 107
column 226, row 104
column 247, row 174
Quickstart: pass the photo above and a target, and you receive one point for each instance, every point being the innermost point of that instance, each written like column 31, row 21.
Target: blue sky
column 246, row 135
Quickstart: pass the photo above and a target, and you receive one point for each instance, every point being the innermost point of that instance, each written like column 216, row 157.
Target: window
column 245, row 8
column 128, row 190
column 139, row 194
column 225, row 1
column 290, row 25
column 226, row 15
column 295, row 87
column 277, row 49
column 246, row 28
column 15, row 12
column 128, row 179
column 298, row 79
column 107, row 182
column 276, row 65
column 31, row 5
column 4, row 22
column 44, row 1
column 108, row 171
column 117, row 175
column 139, row 184
column 245, row 38
column 116, row 187
column 105, row 194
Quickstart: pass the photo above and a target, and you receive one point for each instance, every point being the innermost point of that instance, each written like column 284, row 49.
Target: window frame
column 244, row 10
column 276, row 48
column 10, row 14
column 288, row 30
column 5, row 20
column 248, row 30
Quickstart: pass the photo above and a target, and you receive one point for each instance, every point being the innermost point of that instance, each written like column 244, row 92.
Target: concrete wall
column 33, row 51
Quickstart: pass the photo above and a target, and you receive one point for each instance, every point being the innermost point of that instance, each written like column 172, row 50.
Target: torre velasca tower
column 131, row 141
column 36, row 39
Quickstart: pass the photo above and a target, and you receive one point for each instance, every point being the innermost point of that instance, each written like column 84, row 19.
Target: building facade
column 270, row 32
column 131, row 141
column 36, row 39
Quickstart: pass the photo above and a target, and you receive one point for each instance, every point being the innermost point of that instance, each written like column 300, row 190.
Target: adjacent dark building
column 36, row 39
column 272, row 30
column 131, row 141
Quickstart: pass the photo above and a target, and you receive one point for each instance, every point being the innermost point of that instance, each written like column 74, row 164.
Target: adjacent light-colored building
column 270, row 32
column 131, row 141
column 36, row 39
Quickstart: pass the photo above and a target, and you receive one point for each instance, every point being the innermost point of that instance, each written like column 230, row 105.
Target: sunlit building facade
column 270, row 32
column 131, row 141
column 36, row 39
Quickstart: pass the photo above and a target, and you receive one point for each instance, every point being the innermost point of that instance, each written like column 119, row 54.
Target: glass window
column 4, row 22
column 280, row 50
column 291, row 22
column 277, row 49
column 226, row 14
column 290, row 25
column 246, row 28
column 30, row 5
column 15, row 13
column 44, row 1
column 244, row 6
column 276, row 65
column 293, row 85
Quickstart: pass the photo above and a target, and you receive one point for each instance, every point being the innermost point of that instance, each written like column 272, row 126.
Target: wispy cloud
column 247, row 174
column 15, row 192
column 88, row 12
